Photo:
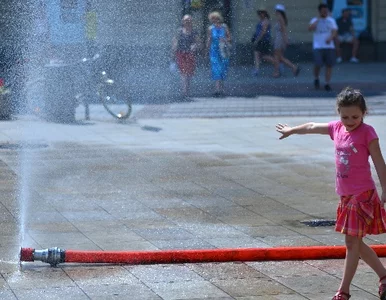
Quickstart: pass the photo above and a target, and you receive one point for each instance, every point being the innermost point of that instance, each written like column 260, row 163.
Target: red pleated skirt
column 359, row 215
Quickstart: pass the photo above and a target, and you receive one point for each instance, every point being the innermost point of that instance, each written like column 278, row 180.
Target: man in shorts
column 325, row 29
column 346, row 34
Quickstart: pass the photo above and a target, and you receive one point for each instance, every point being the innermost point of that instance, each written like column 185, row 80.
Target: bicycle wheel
column 115, row 100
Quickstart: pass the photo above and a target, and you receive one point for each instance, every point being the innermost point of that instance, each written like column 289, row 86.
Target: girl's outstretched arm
column 380, row 167
column 286, row 131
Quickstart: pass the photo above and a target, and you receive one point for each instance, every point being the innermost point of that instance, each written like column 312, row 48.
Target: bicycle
column 55, row 90
column 99, row 86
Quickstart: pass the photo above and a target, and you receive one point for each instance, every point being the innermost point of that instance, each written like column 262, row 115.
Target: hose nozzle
column 53, row 256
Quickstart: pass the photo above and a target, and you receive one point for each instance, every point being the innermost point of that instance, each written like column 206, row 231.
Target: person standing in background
column 346, row 34
column 218, row 45
column 185, row 45
column 325, row 29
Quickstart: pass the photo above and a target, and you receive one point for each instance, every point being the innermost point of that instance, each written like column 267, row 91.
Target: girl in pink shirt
column 360, row 210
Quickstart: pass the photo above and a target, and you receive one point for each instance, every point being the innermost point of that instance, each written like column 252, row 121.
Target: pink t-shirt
column 353, row 173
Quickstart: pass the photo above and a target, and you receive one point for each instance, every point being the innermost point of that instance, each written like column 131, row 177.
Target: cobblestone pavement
column 260, row 106
column 168, row 183
column 205, row 174
column 263, row 96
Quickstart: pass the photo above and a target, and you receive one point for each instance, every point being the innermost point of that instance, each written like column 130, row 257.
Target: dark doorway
column 200, row 10
column 222, row 6
column 204, row 7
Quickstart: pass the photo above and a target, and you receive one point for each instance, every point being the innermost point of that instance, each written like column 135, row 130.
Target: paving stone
column 288, row 241
column 38, row 278
column 252, row 287
column 246, row 242
column 164, row 234
column 62, row 238
column 266, row 230
column 127, row 246
column 187, row 290
column 7, row 294
column 164, row 273
column 182, row 244
column 274, row 269
column 88, row 276
column 195, row 184
column 55, row 293
column 121, row 291
column 226, row 271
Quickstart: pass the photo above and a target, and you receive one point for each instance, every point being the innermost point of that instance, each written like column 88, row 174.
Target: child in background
column 360, row 210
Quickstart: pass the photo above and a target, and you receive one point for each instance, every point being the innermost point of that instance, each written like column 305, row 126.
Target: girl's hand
column 284, row 129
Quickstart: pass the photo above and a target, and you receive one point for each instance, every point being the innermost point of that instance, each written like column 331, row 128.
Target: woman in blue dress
column 218, row 45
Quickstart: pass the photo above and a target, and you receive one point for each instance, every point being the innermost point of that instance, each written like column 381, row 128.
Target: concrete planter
column 5, row 106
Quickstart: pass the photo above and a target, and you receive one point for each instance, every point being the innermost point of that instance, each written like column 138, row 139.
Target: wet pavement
column 176, row 180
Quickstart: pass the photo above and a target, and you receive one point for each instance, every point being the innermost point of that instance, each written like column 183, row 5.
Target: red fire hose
column 55, row 255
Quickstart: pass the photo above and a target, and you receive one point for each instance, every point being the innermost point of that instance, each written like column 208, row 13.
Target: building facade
column 136, row 34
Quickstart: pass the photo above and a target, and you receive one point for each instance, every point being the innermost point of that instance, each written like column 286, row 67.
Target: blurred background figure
column 218, row 45
column 281, row 42
column 261, row 40
column 324, row 30
column 346, row 34
column 185, row 45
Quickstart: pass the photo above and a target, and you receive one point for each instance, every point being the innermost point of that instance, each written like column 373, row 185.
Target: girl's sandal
column 341, row 296
column 382, row 288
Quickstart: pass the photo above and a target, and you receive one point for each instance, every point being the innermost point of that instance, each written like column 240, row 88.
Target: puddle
column 151, row 128
column 319, row 223
column 22, row 146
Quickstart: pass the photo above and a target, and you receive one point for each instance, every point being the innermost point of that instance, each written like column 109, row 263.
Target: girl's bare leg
column 328, row 74
column 269, row 58
column 353, row 244
column 286, row 61
column 316, row 71
column 219, row 86
column 185, row 85
column 274, row 62
column 369, row 256
column 278, row 56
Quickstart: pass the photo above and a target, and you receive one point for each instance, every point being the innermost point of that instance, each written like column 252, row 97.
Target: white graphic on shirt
column 344, row 163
